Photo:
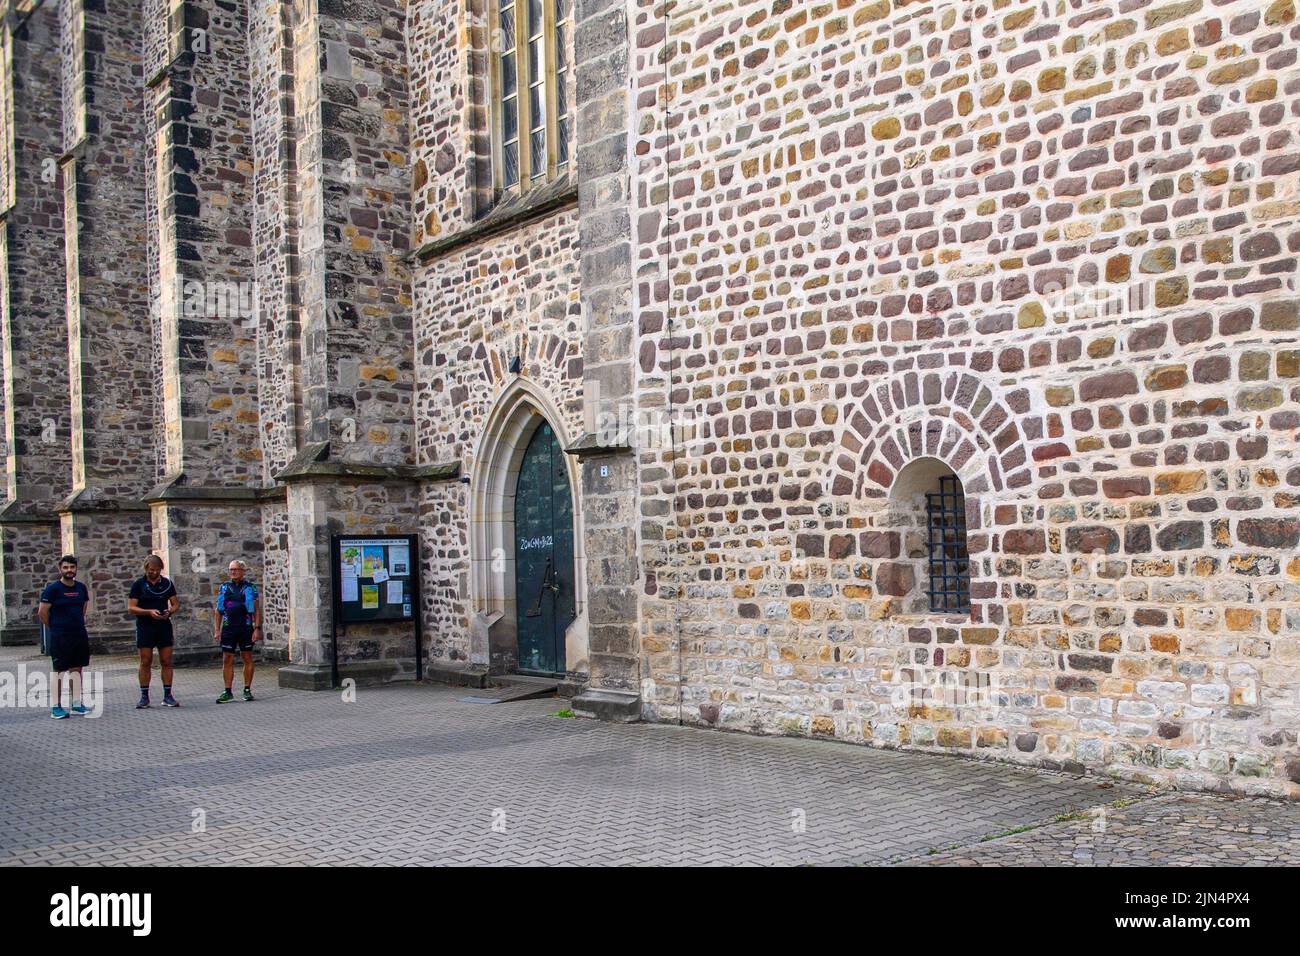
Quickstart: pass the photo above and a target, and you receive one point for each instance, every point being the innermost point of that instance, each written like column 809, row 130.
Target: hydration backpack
column 237, row 604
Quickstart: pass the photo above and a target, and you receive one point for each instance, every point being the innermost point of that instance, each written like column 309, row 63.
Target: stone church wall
column 477, row 310
column 1051, row 245
column 806, row 258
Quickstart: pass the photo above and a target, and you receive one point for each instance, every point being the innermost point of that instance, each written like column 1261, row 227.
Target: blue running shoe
column 79, row 710
column 170, row 701
column 58, row 713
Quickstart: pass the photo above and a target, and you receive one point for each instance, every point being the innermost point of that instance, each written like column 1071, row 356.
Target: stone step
column 511, row 687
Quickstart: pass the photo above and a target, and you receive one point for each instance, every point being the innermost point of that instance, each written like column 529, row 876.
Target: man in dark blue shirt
column 63, row 612
column 154, row 603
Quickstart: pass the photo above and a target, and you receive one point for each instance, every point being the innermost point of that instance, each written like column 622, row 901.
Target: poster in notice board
column 374, row 577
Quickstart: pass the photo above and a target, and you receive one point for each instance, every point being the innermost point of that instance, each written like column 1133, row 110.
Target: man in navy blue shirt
column 63, row 612
column 154, row 603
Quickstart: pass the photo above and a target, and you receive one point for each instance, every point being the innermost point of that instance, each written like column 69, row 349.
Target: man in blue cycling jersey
column 237, row 624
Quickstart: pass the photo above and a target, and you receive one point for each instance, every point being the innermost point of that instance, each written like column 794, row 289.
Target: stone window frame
column 488, row 188
column 904, row 513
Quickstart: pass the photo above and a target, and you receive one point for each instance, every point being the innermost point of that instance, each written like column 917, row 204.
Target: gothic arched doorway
column 544, row 567
column 500, row 594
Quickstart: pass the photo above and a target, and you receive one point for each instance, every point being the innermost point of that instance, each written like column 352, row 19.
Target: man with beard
column 63, row 613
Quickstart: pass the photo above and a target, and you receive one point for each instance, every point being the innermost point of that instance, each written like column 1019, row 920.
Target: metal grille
column 945, row 511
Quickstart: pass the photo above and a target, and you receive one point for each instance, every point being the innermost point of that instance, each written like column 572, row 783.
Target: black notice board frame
column 412, row 578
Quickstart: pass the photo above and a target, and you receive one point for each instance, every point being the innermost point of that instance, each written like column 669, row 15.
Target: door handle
column 536, row 609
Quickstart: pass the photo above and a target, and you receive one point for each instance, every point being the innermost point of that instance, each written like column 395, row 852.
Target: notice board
column 376, row 577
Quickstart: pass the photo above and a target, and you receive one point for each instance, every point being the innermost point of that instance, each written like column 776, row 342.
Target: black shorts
column 68, row 650
column 154, row 639
column 236, row 639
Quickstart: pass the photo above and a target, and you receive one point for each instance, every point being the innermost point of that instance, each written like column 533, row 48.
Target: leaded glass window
column 532, row 119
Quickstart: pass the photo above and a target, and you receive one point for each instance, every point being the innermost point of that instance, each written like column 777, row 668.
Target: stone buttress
column 110, row 355
column 37, row 423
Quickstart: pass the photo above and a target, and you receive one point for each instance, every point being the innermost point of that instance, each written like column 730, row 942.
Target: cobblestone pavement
column 1169, row 830
column 414, row 775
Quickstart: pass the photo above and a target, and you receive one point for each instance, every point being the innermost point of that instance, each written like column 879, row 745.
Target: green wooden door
column 544, row 592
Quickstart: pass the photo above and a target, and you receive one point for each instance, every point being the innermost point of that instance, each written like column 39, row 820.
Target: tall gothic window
column 532, row 121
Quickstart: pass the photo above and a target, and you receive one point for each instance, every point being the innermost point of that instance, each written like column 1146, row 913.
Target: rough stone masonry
column 1050, row 244
column 260, row 287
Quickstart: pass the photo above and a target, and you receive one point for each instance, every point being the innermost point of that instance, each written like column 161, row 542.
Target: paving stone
column 412, row 773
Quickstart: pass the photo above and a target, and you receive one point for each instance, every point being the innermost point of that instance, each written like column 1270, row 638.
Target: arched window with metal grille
column 948, row 564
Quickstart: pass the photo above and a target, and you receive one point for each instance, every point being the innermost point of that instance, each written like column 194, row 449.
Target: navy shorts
column 236, row 639
column 68, row 650
column 154, row 639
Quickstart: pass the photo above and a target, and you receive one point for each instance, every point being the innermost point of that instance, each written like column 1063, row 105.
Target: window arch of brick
column 951, row 415
column 978, row 434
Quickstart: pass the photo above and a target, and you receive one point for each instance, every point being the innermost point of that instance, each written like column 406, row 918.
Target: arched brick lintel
column 948, row 414
column 951, row 415
column 533, row 351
